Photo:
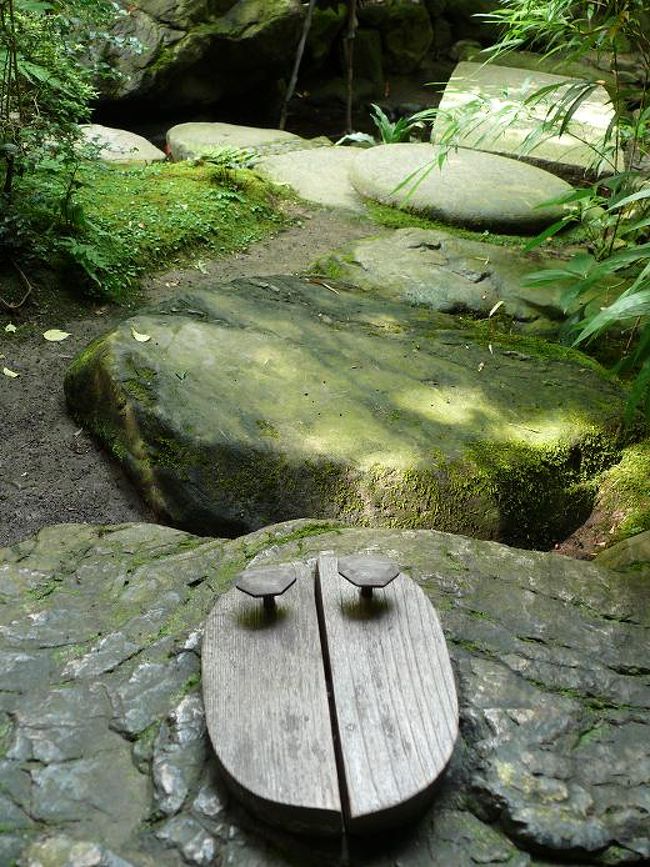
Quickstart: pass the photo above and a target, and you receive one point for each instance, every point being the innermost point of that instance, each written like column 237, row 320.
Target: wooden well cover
column 333, row 712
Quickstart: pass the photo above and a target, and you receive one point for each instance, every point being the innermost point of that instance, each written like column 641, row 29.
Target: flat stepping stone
column 321, row 175
column 503, row 87
column 120, row 145
column 277, row 683
column 265, row 399
column 473, row 189
column 447, row 273
column 191, row 141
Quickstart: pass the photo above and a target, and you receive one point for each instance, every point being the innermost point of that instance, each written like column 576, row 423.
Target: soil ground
column 52, row 471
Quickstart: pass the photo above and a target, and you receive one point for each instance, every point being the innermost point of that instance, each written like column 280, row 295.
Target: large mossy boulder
column 199, row 52
column 105, row 759
column 266, row 399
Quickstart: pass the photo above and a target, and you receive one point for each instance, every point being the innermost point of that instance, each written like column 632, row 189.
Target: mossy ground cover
column 122, row 221
column 394, row 218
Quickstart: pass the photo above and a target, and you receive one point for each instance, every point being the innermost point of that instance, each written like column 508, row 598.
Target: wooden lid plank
column 335, row 710
column 394, row 696
column 267, row 709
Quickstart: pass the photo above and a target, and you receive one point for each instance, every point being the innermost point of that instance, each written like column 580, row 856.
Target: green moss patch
column 624, row 494
column 393, row 218
column 123, row 221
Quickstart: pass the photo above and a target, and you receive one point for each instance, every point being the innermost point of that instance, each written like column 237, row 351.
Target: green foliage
column 100, row 226
column 607, row 285
column 46, row 85
column 393, row 132
column 47, row 79
column 123, row 220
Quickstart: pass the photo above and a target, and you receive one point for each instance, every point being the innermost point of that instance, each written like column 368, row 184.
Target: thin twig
column 28, row 287
column 296, row 66
column 348, row 44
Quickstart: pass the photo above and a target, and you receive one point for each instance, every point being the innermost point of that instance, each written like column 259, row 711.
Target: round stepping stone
column 120, row 145
column 320, row 175
column 190, row 141
column 473, row 189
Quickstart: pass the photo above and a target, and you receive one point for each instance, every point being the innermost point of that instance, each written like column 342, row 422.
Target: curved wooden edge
column 396, row 816
column 393, row 698
column 266, row 707
column 305, row 821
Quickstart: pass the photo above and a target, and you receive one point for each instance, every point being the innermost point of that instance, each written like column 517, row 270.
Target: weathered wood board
column 267, row 709
column 394, row 696
column 335, row 711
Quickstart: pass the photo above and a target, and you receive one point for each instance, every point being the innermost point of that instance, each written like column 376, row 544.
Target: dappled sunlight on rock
column 273, row 398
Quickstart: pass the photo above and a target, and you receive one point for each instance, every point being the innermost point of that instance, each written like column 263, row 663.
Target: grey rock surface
column 449, row 274
column 189, row 141
column 549, row 655
column 267, row 399
column 321, row 175
column 499, row 90
column 196, row 52
column 473, row 189
column 120, row 145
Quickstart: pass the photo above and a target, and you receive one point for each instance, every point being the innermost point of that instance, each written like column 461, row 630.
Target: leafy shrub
column 46, row 83
column 46, row 86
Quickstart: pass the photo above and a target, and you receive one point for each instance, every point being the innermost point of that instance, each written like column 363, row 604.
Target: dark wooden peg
column 368, row 571
column 267, row 582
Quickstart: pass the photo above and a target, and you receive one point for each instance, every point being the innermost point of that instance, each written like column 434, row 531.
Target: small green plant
column 393, row 132
column 229, row 157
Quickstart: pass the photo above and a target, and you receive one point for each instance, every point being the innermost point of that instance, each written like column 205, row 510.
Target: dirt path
column 53, row 472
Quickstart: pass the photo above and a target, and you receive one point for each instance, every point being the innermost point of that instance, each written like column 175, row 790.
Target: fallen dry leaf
column 495, row 308
column 55, row 336
column 137, row 335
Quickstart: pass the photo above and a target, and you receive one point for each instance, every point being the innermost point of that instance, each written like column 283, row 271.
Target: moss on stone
column 426, row 438
column 542, row 491
column 394, row 218
column 624, row 494
column 488, row 331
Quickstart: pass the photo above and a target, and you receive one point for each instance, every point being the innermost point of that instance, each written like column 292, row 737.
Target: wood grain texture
column 267, row 708
column 394, row 695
